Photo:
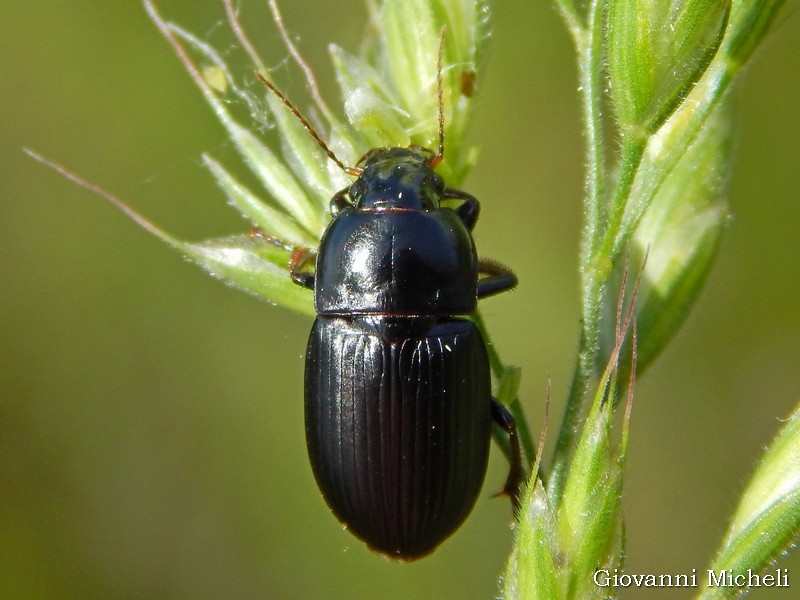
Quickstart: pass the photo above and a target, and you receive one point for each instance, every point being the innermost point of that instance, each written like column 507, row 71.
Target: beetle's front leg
column 468, row 210
column 500, row 278
column 502, row 416
column 256, row 233
column 299, row 267
column 340, row 201
column 299, row 261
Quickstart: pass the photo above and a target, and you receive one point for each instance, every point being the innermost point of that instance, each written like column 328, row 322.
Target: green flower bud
column 750, row 21
column 656, row 52
column 767, row 520
column 676, row 239
column 535, row 569
column 589, row 517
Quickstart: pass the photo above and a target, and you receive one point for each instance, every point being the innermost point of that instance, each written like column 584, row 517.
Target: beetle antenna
column 355, row 171
column 437, row 158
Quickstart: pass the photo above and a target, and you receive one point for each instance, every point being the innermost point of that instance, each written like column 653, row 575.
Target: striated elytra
column 398, row 399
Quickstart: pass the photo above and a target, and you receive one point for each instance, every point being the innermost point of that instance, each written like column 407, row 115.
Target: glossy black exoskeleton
column 398, row 399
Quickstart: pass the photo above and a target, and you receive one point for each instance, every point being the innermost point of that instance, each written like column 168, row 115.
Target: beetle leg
column 500, row 278
column 298, row 267
column 256, row 233
column 339, row 201
column 298, row 263
column 468, row 210
column 502, row 416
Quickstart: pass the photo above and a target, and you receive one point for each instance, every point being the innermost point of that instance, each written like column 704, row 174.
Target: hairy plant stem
column 604, row 241
column 588, row 39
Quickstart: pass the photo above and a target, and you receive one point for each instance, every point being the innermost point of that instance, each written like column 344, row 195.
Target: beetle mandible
column 398, row 402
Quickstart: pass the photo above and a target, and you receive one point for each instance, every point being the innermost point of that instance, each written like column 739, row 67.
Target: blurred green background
column 151, row 429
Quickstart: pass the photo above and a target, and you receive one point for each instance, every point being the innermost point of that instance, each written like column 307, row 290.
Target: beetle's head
column 397, row 178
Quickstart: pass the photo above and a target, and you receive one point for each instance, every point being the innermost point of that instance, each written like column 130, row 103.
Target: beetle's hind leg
column 300, row 267
column 499, row 278
column 502, row 416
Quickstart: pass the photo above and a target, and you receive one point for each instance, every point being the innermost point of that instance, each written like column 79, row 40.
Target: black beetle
column 398, row 397
column 398, row 402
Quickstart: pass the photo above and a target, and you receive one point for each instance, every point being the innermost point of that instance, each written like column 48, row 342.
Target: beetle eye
column 434, row 186
column 357, row 190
